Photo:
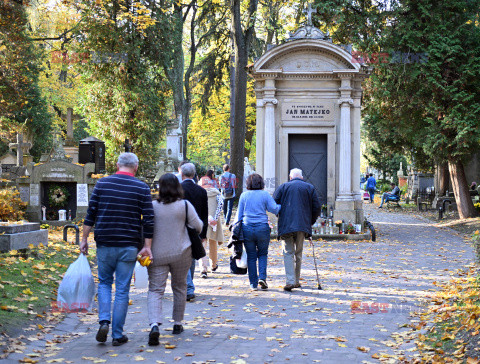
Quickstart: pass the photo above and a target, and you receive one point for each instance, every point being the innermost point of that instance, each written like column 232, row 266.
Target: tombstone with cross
column 20, row 145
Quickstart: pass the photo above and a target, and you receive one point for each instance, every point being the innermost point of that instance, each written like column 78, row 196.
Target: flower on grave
column 58, row 196
column 350, row 229
column 338, row 223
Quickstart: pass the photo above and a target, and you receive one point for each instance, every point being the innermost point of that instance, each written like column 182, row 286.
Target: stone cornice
column 347, row 101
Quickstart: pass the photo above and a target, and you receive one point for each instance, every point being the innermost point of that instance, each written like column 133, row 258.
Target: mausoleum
column 308, row 116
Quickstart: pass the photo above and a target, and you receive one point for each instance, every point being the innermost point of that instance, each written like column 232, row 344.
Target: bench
column 393, row 203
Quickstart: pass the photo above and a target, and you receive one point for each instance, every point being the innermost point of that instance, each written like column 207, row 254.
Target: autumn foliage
column 12, row 208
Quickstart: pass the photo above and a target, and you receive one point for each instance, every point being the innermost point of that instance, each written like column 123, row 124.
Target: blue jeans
column 257, row 239
column 227, row 209
column 121, row 261
column 190, row 285
column 371, row 192
column 387, row 197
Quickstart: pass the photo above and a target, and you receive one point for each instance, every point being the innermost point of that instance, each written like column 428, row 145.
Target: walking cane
column 315, row 262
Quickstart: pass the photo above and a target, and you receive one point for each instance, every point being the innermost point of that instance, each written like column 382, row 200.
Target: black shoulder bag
column 198, row 251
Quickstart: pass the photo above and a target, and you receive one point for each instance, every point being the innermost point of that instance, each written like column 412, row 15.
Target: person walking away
column 300, row 209
column 371, row 186
column 214, row 230
column 209, row 179
column 119, row 207
column 172, row 253
column 394, row 195
column 228, row 183
column 197, row 196
column 252, row 211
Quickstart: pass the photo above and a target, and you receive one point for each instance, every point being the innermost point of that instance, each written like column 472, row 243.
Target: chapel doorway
column 309, row 153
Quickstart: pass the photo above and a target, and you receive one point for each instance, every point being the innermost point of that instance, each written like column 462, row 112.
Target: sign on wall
column 308, row 111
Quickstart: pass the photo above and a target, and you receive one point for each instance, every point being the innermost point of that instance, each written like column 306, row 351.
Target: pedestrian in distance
column 394, row 195
column 120, row 206
column 172, row 253
column 252, row 211
column 214, row 230
column 228, row 183
column 371, row 186
column 197, row 196
column 300, row 209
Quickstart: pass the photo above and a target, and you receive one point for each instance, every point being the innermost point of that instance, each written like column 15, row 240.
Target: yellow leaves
column 342, row 345
column 94, row 360
column 27, row 291
column 138, row 358
column 363, row 349
column 170, row 346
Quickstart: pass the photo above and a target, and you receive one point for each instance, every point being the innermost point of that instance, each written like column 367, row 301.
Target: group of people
column 370, row 184
column 123, row 213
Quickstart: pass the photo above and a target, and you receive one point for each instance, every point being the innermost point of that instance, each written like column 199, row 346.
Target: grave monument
column 308, row 94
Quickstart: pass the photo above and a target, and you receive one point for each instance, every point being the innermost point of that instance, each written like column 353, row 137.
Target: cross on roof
column 309, row 11
column 20, row 145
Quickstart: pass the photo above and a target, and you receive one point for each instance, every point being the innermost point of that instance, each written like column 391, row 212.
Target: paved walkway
column 369, row 291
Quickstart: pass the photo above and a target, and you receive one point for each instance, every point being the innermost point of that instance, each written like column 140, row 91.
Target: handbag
column 198, row 251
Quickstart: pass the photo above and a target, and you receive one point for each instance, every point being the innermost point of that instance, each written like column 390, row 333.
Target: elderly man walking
column 300, row 209
column 119, row 207
column 197, row 196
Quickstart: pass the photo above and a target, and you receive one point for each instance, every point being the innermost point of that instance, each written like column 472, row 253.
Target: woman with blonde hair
column 214, row 231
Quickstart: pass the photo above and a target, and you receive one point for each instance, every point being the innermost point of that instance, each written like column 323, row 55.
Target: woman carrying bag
column 172, row 253
column 252, row 210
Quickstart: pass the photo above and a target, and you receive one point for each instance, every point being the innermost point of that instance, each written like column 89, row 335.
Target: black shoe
column 297, row 285
column 288, row 287
column 120, row 341
column 204, row 275
column 190, row 297
column 102, row 333
column 263, row 284
column 177, row 329
column 215, row 269
column 153, row 336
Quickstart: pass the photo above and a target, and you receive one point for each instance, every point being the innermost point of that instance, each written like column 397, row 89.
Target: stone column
column 269, row 150
column 345, row 146
column 355, row 124
column 260, row 136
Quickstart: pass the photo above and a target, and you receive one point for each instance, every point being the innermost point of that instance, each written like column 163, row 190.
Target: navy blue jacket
column 300, row 207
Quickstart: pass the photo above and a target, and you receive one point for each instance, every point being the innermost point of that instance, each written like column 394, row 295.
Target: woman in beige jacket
column 214, row 231
column 172, row 253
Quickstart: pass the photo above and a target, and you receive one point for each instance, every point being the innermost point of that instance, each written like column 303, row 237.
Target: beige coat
column 212, row 194
column 170, row 237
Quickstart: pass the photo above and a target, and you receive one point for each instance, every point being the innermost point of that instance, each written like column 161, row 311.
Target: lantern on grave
column 92, row 150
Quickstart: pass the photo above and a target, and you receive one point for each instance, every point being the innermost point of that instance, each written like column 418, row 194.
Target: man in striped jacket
column 120, row 206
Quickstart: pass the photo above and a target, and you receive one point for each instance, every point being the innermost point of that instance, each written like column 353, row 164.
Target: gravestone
column 58, row 175
column 92, row 150
column 309, row 94
column 20, row 236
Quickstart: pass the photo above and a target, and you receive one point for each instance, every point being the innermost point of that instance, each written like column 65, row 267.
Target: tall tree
column 123, row 92
column 243, row 31
column 22, row 108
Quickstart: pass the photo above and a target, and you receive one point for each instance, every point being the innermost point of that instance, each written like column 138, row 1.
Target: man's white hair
column 128, row 160
column 296, row 173
column 188, row 170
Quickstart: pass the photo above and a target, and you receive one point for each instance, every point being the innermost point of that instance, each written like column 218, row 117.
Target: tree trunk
column 443, row 179
column 460, row 189
column 232, row 101
column 242, row 42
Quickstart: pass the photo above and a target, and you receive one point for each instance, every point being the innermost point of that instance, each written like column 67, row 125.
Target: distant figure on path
column 197, row 196
column 371, row 186
column 390, row 196
column 228, row 183
column 215, row 230
column 119, row 206
column 300, row 209
column 179, row 174
column 172, row 253
column 252, row 210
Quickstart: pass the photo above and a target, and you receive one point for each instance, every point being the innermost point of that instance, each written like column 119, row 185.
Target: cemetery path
column 369, row 292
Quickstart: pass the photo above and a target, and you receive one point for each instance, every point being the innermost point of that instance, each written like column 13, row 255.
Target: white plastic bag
column 141, row 276
column 77, row 288
column 242, row 262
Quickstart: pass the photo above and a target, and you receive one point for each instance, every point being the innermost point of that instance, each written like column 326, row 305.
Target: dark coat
column 197, row 196
column 300, row 207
